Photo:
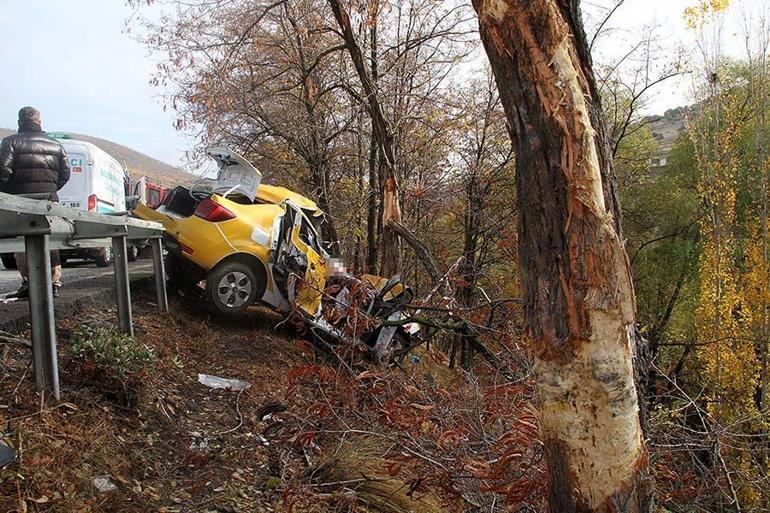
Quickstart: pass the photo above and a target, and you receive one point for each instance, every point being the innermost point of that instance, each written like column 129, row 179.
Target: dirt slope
column 182, row 447
column 667, row 128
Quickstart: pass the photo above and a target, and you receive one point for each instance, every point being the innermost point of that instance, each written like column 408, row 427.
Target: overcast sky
column 72, row 60
column 665, row 19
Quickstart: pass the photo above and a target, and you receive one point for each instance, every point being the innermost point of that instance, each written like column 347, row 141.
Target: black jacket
column 31, row 162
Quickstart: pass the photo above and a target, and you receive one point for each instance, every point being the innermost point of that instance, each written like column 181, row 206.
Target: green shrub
column 112, row 361
column 108, row 347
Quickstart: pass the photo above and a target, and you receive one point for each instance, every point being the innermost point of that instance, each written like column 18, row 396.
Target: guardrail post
column 122, row 290
column 160, row 274
column 44, row 354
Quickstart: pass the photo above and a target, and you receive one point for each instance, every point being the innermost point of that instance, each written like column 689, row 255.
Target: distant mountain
column 138, row 163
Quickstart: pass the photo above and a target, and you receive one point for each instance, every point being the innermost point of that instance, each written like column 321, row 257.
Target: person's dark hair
column 29, row 114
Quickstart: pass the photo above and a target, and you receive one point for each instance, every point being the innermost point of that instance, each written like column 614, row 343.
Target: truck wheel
column 231, row 287
column 104, row 257
column 133, row 253
column 9, row 262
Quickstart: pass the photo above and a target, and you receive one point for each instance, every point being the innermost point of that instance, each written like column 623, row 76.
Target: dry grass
column 358, row 465
column 146, row 449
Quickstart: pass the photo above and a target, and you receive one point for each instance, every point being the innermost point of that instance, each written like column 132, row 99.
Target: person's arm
column 64, row 169
column 6, row 160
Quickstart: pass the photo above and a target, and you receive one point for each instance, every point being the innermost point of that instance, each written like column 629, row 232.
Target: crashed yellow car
column 241, row 242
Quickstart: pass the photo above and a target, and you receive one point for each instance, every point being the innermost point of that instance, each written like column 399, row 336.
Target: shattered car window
column 307, row 235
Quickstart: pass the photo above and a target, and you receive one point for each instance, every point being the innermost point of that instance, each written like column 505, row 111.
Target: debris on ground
column 235, row 385
column 199, row 442
column 266, row 412
column 7, row 454
column 104, row 484
column 298, row 435
column 146, row 449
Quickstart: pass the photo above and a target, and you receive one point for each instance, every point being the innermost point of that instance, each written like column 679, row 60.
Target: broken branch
column 419, row 247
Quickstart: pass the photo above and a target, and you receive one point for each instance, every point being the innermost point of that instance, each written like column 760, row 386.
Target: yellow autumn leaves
column 695, row 16
column 726, row 350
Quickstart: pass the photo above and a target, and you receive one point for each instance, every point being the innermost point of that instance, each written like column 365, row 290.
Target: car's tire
column 231, row 287
column 9, row 261
column 132, row 253
column 104, row 257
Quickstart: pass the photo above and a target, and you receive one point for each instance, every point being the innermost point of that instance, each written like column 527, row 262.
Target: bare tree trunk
column 316, row 155
column 579, row 298
column 471, row 234
column 372, row 215
column 759, row 88
column 391, row 244
column 373, row 195
column 372, row 235
column 371, row 211
column 319, row 178
column 362, row 193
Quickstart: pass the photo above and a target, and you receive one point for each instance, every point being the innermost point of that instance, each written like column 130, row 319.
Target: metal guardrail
column 38, row 227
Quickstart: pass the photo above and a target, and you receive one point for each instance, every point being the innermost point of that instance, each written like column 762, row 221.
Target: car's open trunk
column 179, row 201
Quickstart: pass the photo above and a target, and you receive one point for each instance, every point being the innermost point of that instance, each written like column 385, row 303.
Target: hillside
column 666, row 129
column 137, row 163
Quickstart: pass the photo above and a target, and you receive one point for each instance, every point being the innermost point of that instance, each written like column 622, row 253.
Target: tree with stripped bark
column 578, row 294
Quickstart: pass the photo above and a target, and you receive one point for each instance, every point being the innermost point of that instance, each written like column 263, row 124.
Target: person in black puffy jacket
column 33, row 163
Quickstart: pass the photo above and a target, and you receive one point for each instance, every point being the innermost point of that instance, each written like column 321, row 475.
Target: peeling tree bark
column 579, row 298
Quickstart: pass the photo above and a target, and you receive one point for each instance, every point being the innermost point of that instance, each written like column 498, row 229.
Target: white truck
column 98, row 183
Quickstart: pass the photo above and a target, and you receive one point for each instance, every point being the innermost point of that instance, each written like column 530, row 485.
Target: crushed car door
column 299, row 263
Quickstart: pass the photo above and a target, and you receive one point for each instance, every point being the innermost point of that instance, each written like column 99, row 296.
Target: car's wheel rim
column 234, row 289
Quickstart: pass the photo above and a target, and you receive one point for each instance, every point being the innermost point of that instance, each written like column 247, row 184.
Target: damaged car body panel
column 298, row 261
column 252, row 243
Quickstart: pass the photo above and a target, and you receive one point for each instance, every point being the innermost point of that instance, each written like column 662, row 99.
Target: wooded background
column 388, row 114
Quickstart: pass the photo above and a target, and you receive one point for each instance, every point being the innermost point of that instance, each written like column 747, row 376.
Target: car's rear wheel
column 232, row 287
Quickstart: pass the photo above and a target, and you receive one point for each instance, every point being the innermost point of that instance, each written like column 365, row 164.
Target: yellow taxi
column 242, row 242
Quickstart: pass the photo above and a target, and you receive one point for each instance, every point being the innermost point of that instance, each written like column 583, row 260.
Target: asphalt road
column 84, row 286
column 73, row 274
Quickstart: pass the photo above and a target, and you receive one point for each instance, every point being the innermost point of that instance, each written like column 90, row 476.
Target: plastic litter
column 7, row 454
column 199, row 442
column 223, row 383
column 104, row 484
